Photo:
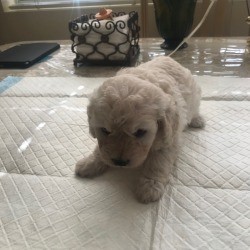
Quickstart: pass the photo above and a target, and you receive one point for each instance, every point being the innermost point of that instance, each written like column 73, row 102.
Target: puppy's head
column 128, row 117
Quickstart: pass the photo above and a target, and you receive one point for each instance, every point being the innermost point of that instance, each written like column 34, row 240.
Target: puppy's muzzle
column 120, row 162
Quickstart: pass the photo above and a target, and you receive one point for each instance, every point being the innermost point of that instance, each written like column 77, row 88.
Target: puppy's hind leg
column 91, row 166
column 197, row 122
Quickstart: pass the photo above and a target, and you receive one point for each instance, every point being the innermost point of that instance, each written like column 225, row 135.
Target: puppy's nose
column 120, row 162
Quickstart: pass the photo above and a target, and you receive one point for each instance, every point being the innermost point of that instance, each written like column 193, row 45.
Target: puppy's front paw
column 88, row 167
column 149, row 190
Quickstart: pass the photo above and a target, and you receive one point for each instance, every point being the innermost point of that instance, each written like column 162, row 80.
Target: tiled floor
column 204, row 56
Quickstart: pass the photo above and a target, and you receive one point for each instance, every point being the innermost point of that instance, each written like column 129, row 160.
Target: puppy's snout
column 120, row 162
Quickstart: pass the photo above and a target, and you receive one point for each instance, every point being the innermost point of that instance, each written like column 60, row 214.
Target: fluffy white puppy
column 138, row 117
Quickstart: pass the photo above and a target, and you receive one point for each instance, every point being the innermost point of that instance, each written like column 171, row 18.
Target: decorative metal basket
column 105, row 42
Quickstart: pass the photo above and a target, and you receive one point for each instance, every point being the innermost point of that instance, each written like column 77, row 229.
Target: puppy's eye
column 140, row 133
column 105, row 131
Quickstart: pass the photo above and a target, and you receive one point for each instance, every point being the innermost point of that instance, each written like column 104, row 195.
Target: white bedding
column 44, row 131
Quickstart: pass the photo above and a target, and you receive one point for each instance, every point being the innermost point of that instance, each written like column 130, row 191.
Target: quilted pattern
column 44, row 131
column 219, row 155
column 52, row 87
column 25, row 125
column 224, row 88
column 52, row 212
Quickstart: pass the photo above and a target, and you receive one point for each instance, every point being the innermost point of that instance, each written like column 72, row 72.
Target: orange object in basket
column 103, row 14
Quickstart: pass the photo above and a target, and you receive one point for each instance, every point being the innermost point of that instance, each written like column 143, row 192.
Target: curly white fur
column 138, row 117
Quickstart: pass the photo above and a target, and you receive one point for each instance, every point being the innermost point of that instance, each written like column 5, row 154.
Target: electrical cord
column 196, row 28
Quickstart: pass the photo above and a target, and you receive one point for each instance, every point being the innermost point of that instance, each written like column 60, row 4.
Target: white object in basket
column 117, row 45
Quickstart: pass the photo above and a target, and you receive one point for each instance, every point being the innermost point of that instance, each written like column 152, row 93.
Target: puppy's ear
column 168, row 122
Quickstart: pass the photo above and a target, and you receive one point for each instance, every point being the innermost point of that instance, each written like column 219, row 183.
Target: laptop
column 25, row 55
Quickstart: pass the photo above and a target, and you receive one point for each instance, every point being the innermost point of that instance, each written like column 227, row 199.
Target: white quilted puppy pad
column 44, row 131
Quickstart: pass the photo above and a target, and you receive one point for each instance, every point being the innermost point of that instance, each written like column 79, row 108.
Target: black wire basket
column 105, row 42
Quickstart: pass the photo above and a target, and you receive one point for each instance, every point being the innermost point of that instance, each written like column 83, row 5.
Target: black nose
column 120, row 162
